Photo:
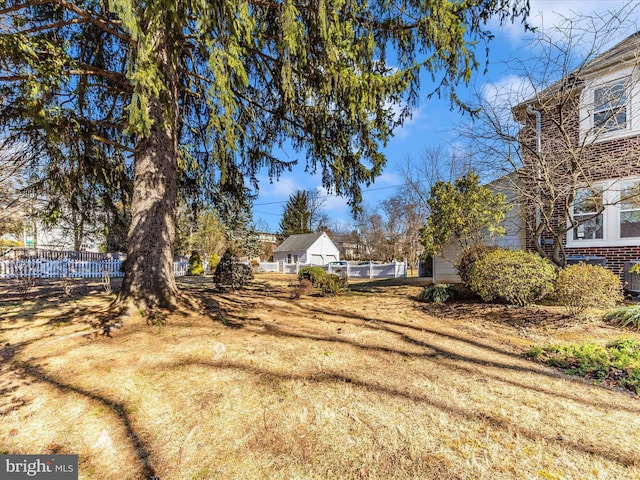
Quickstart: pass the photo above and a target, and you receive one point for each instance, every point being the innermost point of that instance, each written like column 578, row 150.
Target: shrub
column 617, row 361
column 438, row 293
column 195, row 264
column 213, row 262
column 515, row 276
column 314, row 274
column 466, row 260
column 332, row 284
column 583, row 286
column 625, row 316
column 304, row 287
column 230, row 273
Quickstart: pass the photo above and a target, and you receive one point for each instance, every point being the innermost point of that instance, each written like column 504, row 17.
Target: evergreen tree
column 296, row 217
column 198, row 94
column 463, row 212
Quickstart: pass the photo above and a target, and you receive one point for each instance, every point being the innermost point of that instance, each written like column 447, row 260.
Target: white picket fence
column 69, row 268
column 372, row 270
column 44, row 268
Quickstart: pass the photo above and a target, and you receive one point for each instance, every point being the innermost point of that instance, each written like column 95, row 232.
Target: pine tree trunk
column 149, row 281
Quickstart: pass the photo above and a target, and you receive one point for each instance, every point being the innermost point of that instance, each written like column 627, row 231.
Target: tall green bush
column 332, row 284
column 583, row 286
column 312, row 273
column 468, row 258
column 195, row 264
column 230, row 273
column 514, row 276
column 214, row 259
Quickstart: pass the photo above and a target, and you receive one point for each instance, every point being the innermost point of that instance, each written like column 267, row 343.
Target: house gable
column 314, row 248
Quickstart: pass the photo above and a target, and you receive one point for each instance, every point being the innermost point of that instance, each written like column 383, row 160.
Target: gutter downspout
column 536, row 113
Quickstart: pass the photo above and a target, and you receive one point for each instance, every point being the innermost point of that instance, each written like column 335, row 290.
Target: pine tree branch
column 105, row 25
column 49, row 26
column 84, row 70
column 22, row 6
column 113, row 143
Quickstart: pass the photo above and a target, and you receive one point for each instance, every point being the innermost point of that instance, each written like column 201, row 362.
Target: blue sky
column 433, row 121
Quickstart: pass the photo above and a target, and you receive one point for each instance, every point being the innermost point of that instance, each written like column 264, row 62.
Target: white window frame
column 597, row 191
column 628, row 75
column 611, row 191
column 630, row 208
column 612, row 105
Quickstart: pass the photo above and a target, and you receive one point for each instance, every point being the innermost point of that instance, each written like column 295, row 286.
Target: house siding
column 444, row 270
column 320, row 252
column 323, row 248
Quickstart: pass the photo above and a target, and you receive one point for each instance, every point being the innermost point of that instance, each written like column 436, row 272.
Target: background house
column 514, row 238
column 309, row 248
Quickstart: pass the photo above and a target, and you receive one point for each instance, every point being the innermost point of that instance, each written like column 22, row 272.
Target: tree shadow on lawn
column 440, row 354
column 52, row 289
column 463, row 363
column 118, row 409
column 486, row 418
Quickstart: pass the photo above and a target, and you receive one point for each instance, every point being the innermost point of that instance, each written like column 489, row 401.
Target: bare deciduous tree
column 557, row 125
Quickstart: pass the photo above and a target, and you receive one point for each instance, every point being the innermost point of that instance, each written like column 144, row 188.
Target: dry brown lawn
column 257, row 385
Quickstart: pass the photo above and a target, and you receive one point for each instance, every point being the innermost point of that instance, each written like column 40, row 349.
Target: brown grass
column 262, row 386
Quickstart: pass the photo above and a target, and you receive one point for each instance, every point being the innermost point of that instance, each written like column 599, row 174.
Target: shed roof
column 298, row 243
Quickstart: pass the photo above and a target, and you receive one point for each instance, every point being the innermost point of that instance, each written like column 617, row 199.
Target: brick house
column 580, row 151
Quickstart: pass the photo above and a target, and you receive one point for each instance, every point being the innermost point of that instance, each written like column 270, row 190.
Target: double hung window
column 630, row 210
column 610, row 107
column 606, row 214
column 588, row 214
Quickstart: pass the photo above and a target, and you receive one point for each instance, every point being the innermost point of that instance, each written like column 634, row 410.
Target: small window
column 587, row 213
column 610, row 109
column 630, row 211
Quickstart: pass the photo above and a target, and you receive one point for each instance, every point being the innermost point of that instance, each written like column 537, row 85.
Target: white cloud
column 280, row 188
column 508, row 91
column 549, row 16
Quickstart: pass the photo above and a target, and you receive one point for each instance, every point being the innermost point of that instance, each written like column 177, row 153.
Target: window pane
column 587, row 200
column 630, row 224
column 609, row 97
column 630, row 197
column 590, row 229
column 610, row 112
column 610, row 120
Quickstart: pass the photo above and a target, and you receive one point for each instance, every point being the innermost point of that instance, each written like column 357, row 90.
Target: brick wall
column 616, row 256
column 566, row 159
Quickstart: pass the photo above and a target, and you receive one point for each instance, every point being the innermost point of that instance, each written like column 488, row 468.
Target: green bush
column 438, row 293
column 213, row 262
column 466, row 260
column 583, row 286
column 314, row 274
column 332, row 284
column 625, row 316
column 514, row 276
column 230, row 273
column 617, row 361
column 195, row 264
